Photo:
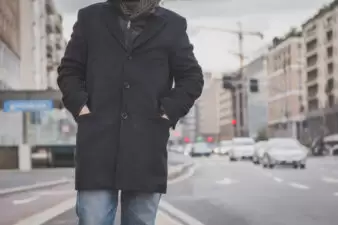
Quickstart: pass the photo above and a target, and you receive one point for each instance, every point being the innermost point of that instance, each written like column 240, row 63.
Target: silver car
column 242, row 148
column 259, row 152
column 283, row 151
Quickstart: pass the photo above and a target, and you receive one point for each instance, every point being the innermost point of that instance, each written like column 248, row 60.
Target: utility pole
column 240, row 95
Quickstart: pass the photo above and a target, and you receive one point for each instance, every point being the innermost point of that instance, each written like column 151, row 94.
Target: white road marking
column 299, row 186
column 53, row 193
column 48, row 214
column 26, row 200
column 330, row 180
column 277, row 179
column 185, row 176
column 171, row 210
column 226, row 181
column 336, row 194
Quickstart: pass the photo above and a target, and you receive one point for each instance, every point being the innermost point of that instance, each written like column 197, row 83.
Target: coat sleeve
column 188, row 78
column 72, row 70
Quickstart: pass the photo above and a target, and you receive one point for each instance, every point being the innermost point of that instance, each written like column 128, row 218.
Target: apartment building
column 42, row 44
column 226, row 114
column 285, row 85
column 208, row 106
column 321, row 54
column 9, row 44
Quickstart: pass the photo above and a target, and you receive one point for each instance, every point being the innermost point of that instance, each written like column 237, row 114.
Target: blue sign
column 27, row 105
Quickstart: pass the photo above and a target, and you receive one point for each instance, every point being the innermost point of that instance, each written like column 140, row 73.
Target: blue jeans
column 99, row 207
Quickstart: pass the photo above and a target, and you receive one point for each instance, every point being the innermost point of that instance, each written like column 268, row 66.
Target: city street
column 220, row 192
column 240, row 193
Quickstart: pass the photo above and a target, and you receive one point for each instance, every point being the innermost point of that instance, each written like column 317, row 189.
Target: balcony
column 311, row 47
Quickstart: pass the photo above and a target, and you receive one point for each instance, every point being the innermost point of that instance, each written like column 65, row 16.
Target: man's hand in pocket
column 84, row 111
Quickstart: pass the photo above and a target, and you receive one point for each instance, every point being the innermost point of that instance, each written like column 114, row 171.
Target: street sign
column 27, row 105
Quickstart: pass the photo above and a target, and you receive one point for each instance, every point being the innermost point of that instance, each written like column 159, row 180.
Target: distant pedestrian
column 116, row 78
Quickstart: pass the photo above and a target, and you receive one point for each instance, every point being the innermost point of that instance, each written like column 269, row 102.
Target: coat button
column 126, row 85
column 124, row 115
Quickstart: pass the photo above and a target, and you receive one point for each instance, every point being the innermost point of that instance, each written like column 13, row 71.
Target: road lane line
column 26, row 200
column 330, row 180
column 277, row 179
column 48, row 214
column 336, row 194
column 226, row 181
column 299, row 186
column 178, row 214
column 40, row 185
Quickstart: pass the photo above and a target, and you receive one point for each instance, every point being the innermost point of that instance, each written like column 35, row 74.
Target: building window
column 330, row 68
column 329, row 36
column 329, row 52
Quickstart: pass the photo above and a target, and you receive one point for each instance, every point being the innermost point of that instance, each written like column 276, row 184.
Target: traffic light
column 228, row 82
column 234, row 122
column 210, row 139
column 186, row 140
column 254, row 85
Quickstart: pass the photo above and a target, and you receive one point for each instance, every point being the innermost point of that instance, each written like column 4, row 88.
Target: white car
column 283, row 151
column 259, row 152
column 241, row 148
column 200, row 149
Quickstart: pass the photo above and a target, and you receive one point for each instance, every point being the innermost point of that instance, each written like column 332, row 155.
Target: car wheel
column 295, row 166
column 271, row 166
column 302, row 166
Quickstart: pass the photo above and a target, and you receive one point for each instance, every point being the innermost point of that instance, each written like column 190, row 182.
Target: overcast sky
column 271, row 17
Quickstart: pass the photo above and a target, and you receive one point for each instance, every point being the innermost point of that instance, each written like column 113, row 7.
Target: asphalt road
column 220, row 193
column 240, row 193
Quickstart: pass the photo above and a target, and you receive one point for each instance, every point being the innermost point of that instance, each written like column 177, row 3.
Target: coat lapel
column 155, row 24
column 111, row 20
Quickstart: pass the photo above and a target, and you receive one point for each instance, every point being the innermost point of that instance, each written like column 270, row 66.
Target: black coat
column 121, row 144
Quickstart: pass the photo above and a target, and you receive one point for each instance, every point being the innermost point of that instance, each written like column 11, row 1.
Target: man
column 117, row 81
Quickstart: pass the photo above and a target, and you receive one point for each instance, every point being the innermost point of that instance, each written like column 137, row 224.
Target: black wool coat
column 121, row 144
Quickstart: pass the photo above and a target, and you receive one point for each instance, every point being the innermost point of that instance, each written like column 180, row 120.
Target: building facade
column 257, row 103
column 285, row 85
column 208, row 107
column 9, row 44
column 42, row 44
column 321, row 54
column 226, row 113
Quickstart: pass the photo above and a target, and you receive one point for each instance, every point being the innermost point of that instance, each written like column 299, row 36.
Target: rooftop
column 294, row 32
column 322, row 11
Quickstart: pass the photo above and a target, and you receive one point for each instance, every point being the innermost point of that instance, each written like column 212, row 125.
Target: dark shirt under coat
column 121, row 144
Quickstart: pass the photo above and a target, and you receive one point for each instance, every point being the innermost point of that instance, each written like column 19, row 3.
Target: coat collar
column 155, row 24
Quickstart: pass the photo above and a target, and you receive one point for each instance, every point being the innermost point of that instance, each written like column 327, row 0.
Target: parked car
column 242, row 148
column 224, row 147
column 283, row 151
column 259, row 152
column 200, row 149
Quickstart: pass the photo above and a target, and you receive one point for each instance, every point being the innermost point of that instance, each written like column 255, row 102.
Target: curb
column 9, row 191
column 179, row 170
